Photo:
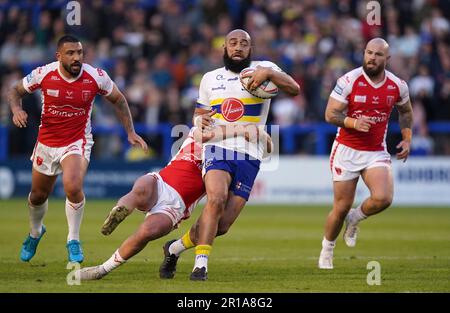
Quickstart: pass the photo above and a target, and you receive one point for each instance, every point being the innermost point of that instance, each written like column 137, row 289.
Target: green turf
column 269, row 249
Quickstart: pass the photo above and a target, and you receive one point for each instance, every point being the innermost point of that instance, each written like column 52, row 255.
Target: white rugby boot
column 326, row 254
column 91, row 273
column 326, row 259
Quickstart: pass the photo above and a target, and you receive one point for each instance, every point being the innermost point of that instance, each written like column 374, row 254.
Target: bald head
column 376, row 55
column 378, row 44
column 238, row 33
column 237, row 50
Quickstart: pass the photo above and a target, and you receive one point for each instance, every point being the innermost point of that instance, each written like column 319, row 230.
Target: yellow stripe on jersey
column 250, row 119
column 244, row 101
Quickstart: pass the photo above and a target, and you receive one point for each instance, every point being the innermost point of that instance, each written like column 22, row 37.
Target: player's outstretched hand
column 20, row 118
column 134, row 139
column 404, row 153
column 206, row 120
column 363, row 124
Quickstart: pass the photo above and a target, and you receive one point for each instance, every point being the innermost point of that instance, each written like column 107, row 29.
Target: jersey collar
column 371, row 83
column 70, row 80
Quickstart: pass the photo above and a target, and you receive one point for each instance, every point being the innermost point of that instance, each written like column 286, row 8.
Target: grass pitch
column 269, row 249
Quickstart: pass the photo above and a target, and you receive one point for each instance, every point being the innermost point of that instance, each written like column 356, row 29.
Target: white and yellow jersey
column 221, row 90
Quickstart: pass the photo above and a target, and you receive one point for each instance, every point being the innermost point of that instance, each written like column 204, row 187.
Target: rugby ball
column 266, row 90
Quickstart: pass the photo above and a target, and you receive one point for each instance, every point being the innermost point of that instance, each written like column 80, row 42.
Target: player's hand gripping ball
column 266, row 90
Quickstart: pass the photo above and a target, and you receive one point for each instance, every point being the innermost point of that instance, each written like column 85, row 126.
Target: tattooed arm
column 405, row 120
column 334, row 114
column 123, row 113
column 405, row 115
column 15, row 95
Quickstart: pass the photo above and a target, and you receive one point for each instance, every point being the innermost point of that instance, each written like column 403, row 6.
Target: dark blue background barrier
column 104, row 179
column 322, row 133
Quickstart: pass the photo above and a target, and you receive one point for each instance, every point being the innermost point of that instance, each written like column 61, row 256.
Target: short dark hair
column 66, row 38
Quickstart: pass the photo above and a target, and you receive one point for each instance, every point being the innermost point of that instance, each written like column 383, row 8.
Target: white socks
column 114, row 261
column 36, row 213
column 201, row 260
column 74, row 214
column 177, row 247
column 356, row 215
column 328, row 245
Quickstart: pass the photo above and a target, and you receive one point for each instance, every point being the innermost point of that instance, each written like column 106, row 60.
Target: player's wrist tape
column 350, row 122
column 196, row 121
column 407, row 134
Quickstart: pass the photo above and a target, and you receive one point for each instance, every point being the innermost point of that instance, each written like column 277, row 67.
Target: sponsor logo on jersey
column 375, row 99
column 86, row 95
column 338, row 89
column 218, row 88
column 390, row 100
column 29, row 77
column 66, row 111
column 53, row 92
column 362, row 84
column 220, row 77
column 232, row 109
column 391, row 87
column 361, row 99
column 54, row 77
column 87, row 81
column 69, row 94
column 373, row 115
column 231, row 79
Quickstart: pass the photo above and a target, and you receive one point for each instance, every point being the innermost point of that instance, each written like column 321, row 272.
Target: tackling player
column 64, row 142
column 167, row 198
column 360, row 105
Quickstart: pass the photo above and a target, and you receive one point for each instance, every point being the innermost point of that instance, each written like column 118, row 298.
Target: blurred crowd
column 157, row 50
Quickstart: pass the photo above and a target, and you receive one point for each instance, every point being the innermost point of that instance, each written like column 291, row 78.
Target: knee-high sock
column 74, row 214
column 36, row 213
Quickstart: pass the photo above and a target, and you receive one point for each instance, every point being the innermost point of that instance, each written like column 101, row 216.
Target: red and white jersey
column 375, row 101
column 66, row 103
column 184, row 172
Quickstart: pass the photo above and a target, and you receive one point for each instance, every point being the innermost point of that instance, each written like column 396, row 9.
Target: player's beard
column 374, row 71
column 236, row 66
column 70, row 70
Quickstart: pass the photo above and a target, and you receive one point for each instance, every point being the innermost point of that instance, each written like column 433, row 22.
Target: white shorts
column 347, row 163
column 47, row 160
column 169, row 202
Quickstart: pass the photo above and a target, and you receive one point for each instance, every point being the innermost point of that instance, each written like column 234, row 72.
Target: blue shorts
column 242, row 168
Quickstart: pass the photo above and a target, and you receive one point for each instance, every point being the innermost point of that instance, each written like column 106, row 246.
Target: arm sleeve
column 403, row 93
column 203, row 99
column 32, row 81
column 342, row 90
column 105, row 83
